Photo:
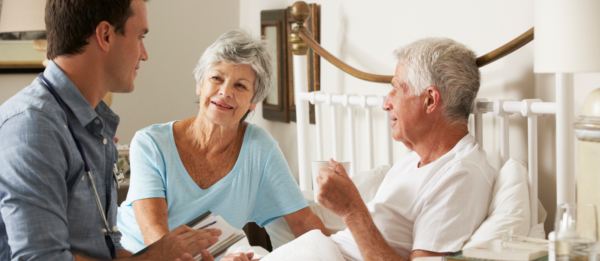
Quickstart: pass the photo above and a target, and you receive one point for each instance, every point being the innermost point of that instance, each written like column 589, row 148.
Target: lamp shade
column 22, row 15
column 567, row 36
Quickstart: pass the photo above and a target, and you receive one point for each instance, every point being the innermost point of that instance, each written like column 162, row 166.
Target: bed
column 326, row 140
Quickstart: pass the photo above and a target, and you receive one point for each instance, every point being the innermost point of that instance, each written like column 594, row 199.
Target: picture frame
column 276, row 104
column 20, row 54
column 279, row 104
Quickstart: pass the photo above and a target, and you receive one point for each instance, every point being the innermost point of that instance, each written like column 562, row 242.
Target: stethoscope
column 118, row 175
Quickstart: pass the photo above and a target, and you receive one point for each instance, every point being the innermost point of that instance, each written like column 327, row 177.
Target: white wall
column 165, row 87
column 361, row 33
column 365, row 33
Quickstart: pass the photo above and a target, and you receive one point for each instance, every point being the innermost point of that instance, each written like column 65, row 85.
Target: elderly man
column 433, row 199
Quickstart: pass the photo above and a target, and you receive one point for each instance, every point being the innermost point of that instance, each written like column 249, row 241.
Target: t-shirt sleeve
column 148, row 177
column 278, row 193
column 454, row 208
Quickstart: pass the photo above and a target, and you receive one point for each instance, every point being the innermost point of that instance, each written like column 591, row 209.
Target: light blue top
column 259, row 188
column 47, row 207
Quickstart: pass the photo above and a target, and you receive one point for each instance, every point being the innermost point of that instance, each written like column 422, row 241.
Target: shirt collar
column 72, row 98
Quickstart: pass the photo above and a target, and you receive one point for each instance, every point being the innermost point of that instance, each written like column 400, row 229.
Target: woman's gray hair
column 449, row 66
column 239, row 47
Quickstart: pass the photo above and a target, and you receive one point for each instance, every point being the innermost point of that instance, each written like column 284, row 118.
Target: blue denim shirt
column 41, row 219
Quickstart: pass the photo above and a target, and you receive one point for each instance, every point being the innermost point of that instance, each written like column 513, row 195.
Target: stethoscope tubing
column 80, row 148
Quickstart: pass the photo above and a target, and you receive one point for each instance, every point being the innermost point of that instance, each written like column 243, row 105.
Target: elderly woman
column 215, row 161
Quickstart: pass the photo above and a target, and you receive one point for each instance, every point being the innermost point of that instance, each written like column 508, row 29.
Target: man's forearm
column 370, row 242
column 121, row 255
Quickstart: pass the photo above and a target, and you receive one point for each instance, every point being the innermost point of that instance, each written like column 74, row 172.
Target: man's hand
column 181, row 244
column 337, row 192
column 229, row 257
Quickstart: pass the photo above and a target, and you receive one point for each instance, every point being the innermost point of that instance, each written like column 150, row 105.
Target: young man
column 57, row 155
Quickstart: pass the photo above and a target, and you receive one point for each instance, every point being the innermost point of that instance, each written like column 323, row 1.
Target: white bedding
column 367, row 183
column 509, row 209
column 313, row 245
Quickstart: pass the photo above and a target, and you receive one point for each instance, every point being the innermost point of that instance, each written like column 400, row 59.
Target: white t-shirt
column 436, row 207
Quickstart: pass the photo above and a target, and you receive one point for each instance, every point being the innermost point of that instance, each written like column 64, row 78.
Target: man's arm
column 33, row 203
column 175, row 245
column 338, row 193
column 371, row 243
column 123, row 254
column 304, row 220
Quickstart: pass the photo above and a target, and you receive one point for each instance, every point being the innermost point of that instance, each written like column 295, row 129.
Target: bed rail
column 301, row 40
column 530, row 108
column 563, row 109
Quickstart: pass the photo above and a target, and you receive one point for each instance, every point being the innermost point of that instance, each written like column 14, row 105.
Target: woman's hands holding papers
column 337, row 192
column 180, row 243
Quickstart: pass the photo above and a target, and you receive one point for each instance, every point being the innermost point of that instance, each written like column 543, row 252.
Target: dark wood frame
column 313, row 24
column 279, row 111
column 23, row 66
column 21, row 70
column 285, row 110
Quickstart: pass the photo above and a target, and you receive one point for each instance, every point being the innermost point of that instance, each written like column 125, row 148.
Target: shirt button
column 97, row 121
column 104, row 141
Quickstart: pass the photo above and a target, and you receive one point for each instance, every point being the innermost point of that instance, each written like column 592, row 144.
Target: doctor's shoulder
column 32, row 109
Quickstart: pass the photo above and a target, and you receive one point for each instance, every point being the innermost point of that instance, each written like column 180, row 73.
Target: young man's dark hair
column 70, row 23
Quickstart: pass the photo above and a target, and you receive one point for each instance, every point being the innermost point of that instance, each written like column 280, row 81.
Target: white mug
column 316, row 166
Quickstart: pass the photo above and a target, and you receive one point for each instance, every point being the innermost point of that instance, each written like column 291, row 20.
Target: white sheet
column 313, row 245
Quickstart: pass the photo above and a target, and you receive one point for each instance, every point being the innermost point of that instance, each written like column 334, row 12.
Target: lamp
column 23, row 16
column 567, row 36
column 567, row 40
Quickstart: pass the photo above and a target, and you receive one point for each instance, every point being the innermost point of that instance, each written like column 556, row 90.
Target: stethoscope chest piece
column 115, row 229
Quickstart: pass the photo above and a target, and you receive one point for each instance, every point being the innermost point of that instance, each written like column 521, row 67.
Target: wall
column 165, row 86
column 361, row 33
column 365, row 33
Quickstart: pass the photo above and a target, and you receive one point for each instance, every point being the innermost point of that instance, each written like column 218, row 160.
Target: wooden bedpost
column 300, row 11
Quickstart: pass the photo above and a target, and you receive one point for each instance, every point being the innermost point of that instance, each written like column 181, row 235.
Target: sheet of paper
column 228, row 232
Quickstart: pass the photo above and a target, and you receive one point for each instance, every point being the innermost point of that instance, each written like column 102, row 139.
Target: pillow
column 367, row 182
column 509, row 209
column 243, row 246
column 537, row 231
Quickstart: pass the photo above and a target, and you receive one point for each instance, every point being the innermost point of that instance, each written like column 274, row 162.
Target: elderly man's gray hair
column 238, row 47
column 446, row 64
